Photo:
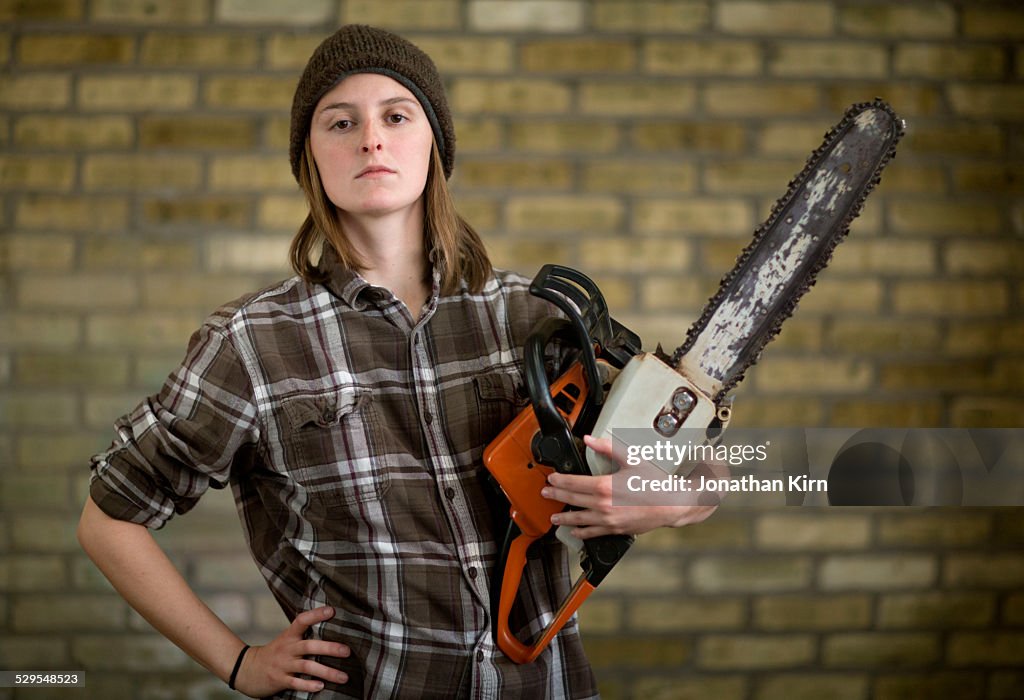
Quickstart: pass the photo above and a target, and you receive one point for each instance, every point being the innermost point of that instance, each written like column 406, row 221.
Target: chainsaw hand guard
column 546, row 438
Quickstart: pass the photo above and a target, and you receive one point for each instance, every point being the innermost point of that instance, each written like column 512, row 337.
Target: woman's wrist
column 233, row 678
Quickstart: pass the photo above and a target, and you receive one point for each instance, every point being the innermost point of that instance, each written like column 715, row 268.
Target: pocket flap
column 322, row 409
column 501, row 386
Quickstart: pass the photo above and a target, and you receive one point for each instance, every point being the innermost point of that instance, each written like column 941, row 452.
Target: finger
column 307, row 618
column 318, row 647
column 602, row 446
column 577, row 483
column 576, row 518
column 573, row 498
column 308, row 667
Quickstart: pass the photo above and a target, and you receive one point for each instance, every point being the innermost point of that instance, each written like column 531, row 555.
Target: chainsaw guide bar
column 789, row 249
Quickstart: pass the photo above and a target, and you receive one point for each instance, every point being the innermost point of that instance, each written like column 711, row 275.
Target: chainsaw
column 613, row 384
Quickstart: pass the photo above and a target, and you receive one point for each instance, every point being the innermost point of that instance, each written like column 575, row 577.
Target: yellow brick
column 908, row 99
column 933, row 217
column 792, row 613
column 619, row 292
column 545, row 175
column 195, row 290
column 48, row 131
column 483, row 213
column 259, row 92
column 681, row 135
column 778, row 18
column 646, row 574
column 315, row 12
column 992, row 101
column 885, row 257
column 35, row 91
column 77, row 291
column 790, row 138
column 404, row 14
column 147, row 330
column 670, row 293
column 276, row 132
column 36, row 172
column 141, row 172
column 578, row 56
column 136, row 92
column 36, row 452
column 757, row 99
column 75, row 49
column 777, row 411
column 749, row 176
column 945, row 299
column 934, row 684
column 36, row 330
column 904, row 177
column 285, row 212
column 524, row 256
column 721, row 652
column 887, row 414
column 953, row 139
column 867, row 572
column 233, row 212
column 639, row 177
column 936, row 375
column 38, row 409
column 982, row 22
column 880, row 650
column 987, row 412
column 562, row 137
column 634, row 255
column 247, row 173
column 480, row 135
column 682, row 57
column 945, row 62
column 931, row 20
column 921, row 528
column 293, row 50
column 651, row 15
column 659, row 687
column 469, row 54
column 883, row 335
column 119, row 253
column 806, row 532
column 813, row 375
column 985, row 258
column 637, row 98
column 71, row 213
column 146, row 12
column 519, row 96
column 526, row 15
column 644, row 653
column 61, row 370
column 829, row 60
column 5, row 49
column 246, row 253
column 587, row 214
column 795, row 686
column 11, row 10
column 832, row 295
column 712, row 216
column 200, row 50
column 36, row 252
column 983, row 337
column 197, row 132
column 676, row 615
column 988, row 178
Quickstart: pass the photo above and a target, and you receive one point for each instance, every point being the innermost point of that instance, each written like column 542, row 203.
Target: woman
column 348, row 408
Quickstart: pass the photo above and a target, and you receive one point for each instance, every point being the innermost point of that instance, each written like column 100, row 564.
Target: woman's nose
column 371, row 140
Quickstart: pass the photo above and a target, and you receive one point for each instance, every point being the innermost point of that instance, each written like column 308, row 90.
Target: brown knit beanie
column 357, row 48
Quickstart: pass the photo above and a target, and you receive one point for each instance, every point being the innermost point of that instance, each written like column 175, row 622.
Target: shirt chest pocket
column 336, row 447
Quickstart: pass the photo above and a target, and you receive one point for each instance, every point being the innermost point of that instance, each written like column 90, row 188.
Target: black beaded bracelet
column 238, row 665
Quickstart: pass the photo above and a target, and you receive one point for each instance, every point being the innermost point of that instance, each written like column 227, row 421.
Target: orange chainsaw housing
column 510, row 460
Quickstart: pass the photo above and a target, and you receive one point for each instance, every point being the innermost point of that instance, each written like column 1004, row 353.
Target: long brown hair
column 451, row 243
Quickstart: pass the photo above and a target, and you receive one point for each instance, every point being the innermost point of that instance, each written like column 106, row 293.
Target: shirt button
column 449, row 493
column 479, row 656
column 428, row 417
column 472, row 572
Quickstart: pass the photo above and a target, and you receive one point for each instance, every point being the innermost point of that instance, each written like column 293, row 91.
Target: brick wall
column 145, row 181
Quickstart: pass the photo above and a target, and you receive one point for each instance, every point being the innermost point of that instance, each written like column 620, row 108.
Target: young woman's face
column 371, row 142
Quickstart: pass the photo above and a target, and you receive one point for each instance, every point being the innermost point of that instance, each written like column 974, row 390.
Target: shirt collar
column 349, row 286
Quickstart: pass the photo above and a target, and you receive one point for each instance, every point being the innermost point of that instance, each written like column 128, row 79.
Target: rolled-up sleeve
column 183, row 440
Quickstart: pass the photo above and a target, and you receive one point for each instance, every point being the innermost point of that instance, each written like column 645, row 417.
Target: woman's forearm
column 139, row 569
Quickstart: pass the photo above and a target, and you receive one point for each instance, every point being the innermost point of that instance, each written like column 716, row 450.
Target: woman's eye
column 396, row 118
column 341, row 124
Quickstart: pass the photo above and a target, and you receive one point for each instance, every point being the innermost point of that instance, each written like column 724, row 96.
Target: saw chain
column 615, row 386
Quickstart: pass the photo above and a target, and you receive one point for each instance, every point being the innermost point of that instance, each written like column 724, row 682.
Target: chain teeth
column 832, row 137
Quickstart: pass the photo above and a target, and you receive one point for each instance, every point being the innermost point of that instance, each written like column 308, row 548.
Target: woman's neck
column 392, row 250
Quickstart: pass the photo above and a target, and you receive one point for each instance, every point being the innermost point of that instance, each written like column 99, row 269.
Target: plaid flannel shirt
column 351, row 435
